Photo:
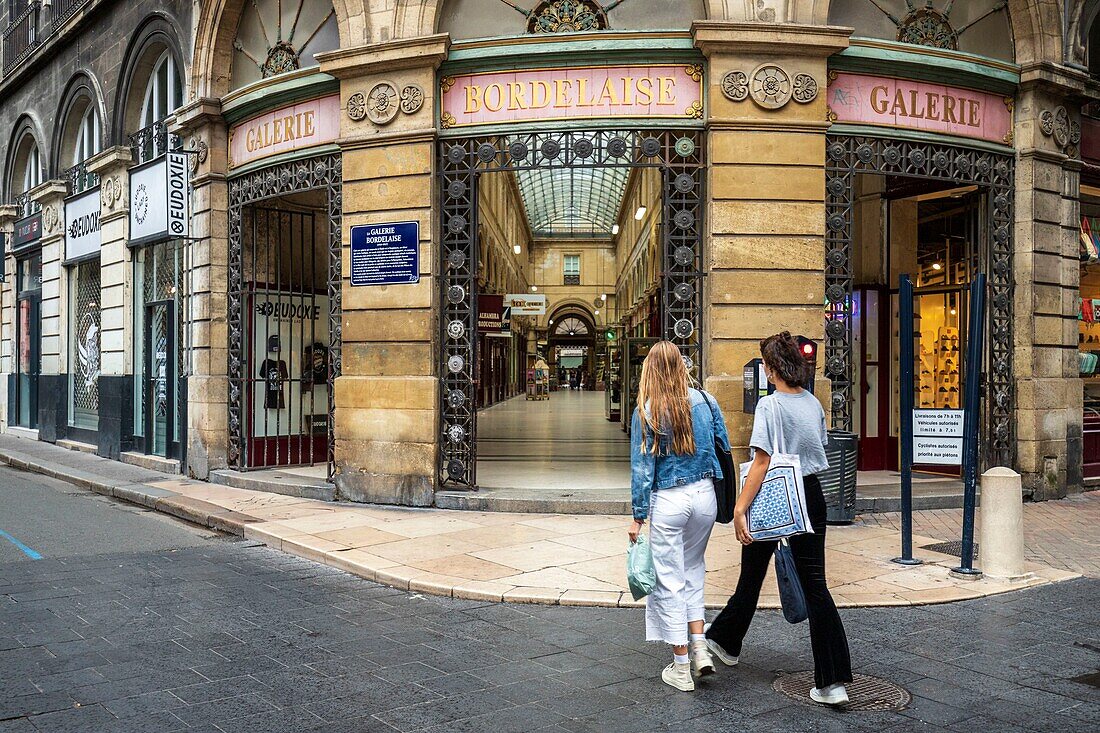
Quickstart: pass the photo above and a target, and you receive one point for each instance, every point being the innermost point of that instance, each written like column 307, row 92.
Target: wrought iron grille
column 80, row 179
column 151, row 142
column 25, row 205
column 85, row 336
column 680, row 156
column 324, row 173
column 848, row 155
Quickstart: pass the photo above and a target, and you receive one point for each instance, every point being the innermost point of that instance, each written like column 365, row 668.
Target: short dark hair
column 784, row 358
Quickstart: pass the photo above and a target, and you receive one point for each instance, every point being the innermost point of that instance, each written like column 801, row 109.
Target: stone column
column 1049, row 392
column 8, row 215
column 386, row 397
column 116, row 308
column 766, row 195
column 202, row 129
column 53, row 389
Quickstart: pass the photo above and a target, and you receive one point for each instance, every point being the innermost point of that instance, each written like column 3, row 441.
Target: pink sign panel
column 673, row 90
column 301, row 125
column 917, row 105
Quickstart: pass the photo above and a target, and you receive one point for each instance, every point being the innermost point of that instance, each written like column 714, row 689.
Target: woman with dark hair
column 803, row 429
column 672, row 471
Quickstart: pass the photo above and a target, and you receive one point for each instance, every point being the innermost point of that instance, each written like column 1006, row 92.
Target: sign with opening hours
column 937, row 437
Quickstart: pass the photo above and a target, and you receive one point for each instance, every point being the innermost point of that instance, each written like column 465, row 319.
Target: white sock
column 681, row 658
column 697, row 637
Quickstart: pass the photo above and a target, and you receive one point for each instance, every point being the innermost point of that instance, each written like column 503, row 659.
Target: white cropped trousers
column 680, row 521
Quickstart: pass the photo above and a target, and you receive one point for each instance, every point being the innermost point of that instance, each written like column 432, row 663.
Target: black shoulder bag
column 725, row 488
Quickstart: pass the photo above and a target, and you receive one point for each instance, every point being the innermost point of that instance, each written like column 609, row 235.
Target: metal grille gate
column 848, row 155
column 680, row 156
column 284, row 316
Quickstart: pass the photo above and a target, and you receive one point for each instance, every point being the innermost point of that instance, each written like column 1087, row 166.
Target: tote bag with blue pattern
column 779, row 508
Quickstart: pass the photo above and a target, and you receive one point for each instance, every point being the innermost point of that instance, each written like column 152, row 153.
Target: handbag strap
column 779, row 444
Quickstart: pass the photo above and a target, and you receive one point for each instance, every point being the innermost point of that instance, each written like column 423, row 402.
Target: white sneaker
column 831, row 695
column 678, row 676
column 700, row 658
column 716, row 650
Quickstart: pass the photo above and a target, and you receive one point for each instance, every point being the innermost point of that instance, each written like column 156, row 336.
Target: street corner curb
column 204, row 513
column 146, row 496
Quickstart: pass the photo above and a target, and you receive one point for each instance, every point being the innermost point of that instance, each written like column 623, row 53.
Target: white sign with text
column 82, row 235
column 937, row 437
column 160, row 201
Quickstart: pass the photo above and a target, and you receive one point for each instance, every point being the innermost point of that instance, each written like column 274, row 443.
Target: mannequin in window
column 274, row 373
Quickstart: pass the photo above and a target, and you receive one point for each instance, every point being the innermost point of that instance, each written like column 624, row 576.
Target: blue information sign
column 385, row 254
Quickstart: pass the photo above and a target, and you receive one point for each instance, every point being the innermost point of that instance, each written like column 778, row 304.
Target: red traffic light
column 808, row 348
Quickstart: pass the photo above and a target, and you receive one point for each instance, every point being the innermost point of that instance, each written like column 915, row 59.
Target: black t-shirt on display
column 274, row 373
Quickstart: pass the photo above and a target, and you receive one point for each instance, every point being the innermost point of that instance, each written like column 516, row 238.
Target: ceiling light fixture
column 639, row 213
column 517, row 249
column 534, row 288
column 937, row 266
column 603, row 296
column 614, row 229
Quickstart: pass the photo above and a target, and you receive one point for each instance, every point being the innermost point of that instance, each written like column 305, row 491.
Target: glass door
column 28, row 339
column 160, row 378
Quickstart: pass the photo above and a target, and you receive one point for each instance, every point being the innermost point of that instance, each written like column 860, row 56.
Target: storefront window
column 1088, row 337
column 28, row 339
column 157, row 353
column 84, row 337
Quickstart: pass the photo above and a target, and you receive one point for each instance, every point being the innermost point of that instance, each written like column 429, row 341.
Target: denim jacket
column 649, row 472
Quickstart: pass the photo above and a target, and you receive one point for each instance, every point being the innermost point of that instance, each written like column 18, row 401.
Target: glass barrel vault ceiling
column 572, row 202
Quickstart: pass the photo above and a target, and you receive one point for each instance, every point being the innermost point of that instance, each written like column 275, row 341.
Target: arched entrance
column 571, row 348
column 676, row 159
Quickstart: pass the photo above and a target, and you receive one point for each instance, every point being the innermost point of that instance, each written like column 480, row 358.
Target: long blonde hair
column 664, row 405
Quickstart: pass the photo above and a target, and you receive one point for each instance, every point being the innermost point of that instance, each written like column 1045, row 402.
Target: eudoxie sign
column 160, row 202
column 82, row 235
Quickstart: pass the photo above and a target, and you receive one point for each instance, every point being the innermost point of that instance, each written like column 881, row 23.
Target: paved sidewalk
column 533, row 558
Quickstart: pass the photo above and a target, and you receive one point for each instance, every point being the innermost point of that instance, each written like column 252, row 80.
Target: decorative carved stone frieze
column 49, row 219
column 770, row 86
column 382, row 103
column 1066, row 133
column 412, row 99
column 110, row 191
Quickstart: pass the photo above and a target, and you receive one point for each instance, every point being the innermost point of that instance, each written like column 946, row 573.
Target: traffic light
column 808, row 349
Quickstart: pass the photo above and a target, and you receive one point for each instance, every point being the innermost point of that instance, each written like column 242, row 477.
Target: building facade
column 252, row 235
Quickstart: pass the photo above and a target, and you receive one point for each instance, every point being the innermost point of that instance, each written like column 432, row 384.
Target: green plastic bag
column 640, row 575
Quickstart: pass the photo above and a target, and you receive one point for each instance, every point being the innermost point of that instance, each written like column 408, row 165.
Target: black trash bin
column 838, row 483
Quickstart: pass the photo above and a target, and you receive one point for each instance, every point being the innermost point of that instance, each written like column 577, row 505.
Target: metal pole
column 971, row 404
column 905, row 349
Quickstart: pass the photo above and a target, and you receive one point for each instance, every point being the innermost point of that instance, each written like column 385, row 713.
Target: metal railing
column 80, row 179
column 22, row 34
column 25, row 206
column 151, row 142
column 30, row 25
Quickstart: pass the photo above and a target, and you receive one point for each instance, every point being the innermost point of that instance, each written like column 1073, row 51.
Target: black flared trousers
column 832, row 663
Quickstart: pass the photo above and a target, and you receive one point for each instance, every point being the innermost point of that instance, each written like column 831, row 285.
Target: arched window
column 26, row 171
column 163, row 91
column 87, row 135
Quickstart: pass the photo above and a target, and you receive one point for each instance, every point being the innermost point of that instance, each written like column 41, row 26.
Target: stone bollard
column 1001, row 543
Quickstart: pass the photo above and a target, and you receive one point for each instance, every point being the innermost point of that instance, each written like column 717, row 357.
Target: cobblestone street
column 231, row 636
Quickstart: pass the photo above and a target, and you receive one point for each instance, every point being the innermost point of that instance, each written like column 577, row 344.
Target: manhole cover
column 864, row 693
column 954, row 547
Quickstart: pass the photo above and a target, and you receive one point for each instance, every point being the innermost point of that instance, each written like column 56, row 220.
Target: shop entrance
column 599, row 231
column 941, row 214
column 284, row 307
column 28, row 339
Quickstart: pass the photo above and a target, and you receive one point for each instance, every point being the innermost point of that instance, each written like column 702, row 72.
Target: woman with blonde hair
column 672, row 471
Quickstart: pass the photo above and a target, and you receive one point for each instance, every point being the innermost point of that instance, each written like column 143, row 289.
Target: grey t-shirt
column 804, row 429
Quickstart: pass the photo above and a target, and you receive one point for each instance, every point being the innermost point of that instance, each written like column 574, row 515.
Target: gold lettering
column 665, row 85
column 628, row 90
column 933, row 104
column 308, row 125
column 488, row 98
column 538, row 102
column 878, row 102
column 899, row 104
column 975, row 119
column 516, row 97
column 289, row 128
column 949, row 109
column 277, row 133
column 582, row 93
column 645, row 91
column 473, row 99
column 610, row 93
column 914, row 106
column 250, row 140
column 561, row 93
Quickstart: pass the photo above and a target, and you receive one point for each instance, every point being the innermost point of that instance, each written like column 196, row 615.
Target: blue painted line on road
column 22, row 548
